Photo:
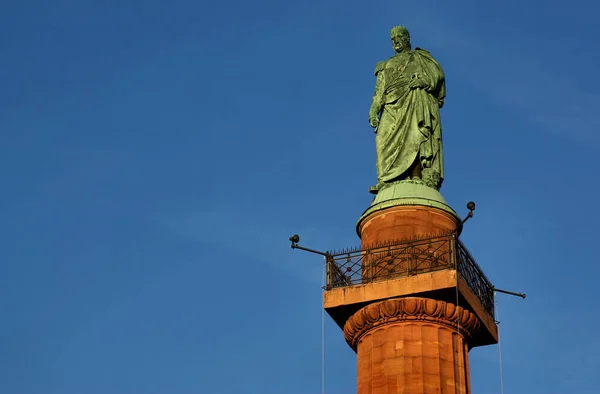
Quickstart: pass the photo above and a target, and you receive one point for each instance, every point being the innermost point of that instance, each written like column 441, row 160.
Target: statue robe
column 409, row 127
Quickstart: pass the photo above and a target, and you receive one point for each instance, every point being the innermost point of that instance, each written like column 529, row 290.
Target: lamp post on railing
column 294, row 239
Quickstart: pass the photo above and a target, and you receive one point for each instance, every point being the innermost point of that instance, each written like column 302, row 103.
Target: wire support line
column 323, row 330
column 499, row 347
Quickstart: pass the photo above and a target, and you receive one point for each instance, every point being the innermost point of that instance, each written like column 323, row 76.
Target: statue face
column 400, row 43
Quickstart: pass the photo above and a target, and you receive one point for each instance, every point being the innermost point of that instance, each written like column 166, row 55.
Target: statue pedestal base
column 406, row 210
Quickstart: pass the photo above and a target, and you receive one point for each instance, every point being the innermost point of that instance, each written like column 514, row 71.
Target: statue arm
column 377, row 102
column 432, row 78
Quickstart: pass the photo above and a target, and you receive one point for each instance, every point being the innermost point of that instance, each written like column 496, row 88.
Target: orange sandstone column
column 411, row 345
column 405, row 222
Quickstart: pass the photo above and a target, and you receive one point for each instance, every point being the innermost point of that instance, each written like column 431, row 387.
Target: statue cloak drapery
column 409, row 126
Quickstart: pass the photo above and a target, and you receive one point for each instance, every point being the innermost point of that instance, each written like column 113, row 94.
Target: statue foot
column 432, row 178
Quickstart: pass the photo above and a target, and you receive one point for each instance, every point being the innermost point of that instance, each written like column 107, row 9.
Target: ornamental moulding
column 406, row 310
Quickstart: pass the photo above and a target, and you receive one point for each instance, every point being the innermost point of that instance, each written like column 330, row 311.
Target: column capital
column 409, row 310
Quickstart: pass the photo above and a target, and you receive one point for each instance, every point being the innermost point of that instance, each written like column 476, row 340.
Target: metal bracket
column 512, row 293
column 294, row 239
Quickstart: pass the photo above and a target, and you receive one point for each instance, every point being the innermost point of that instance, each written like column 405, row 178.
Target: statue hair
column 400, row 31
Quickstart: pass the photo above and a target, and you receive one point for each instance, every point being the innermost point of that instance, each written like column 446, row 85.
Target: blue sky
column 156, row 155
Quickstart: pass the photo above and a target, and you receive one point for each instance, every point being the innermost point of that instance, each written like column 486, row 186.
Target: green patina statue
column 405, row 114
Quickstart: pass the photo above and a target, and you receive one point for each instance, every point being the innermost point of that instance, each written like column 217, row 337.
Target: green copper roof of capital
column 406, row 193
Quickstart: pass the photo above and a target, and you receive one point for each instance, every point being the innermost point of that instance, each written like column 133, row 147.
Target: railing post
column 366, row 267
column 369, row 264
column 453, row 258
column 328, row 273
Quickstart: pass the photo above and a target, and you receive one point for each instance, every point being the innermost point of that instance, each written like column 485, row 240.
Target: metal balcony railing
column 406, row 258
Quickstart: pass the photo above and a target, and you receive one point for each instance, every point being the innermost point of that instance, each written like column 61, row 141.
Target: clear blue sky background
column 156, row 155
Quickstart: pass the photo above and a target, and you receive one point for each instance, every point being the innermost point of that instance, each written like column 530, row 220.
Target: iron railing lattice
column 406, row 258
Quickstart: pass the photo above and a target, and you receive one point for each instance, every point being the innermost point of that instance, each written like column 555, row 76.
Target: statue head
column 400, row 38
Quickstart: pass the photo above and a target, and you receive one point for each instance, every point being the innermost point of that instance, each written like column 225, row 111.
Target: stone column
column 411, row 345
column 405, row 223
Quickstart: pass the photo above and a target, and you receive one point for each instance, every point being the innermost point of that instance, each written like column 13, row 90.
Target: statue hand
column 417, row 83
column 374, row 122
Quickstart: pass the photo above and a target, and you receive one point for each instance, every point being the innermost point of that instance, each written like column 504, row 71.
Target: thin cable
column 499, row 347
column 323, row 331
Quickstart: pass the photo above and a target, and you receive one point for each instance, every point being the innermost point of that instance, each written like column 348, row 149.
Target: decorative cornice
column 404, row 193
column 409, row 309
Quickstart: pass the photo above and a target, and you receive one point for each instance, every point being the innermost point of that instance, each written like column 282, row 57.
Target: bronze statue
column 405, row 113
